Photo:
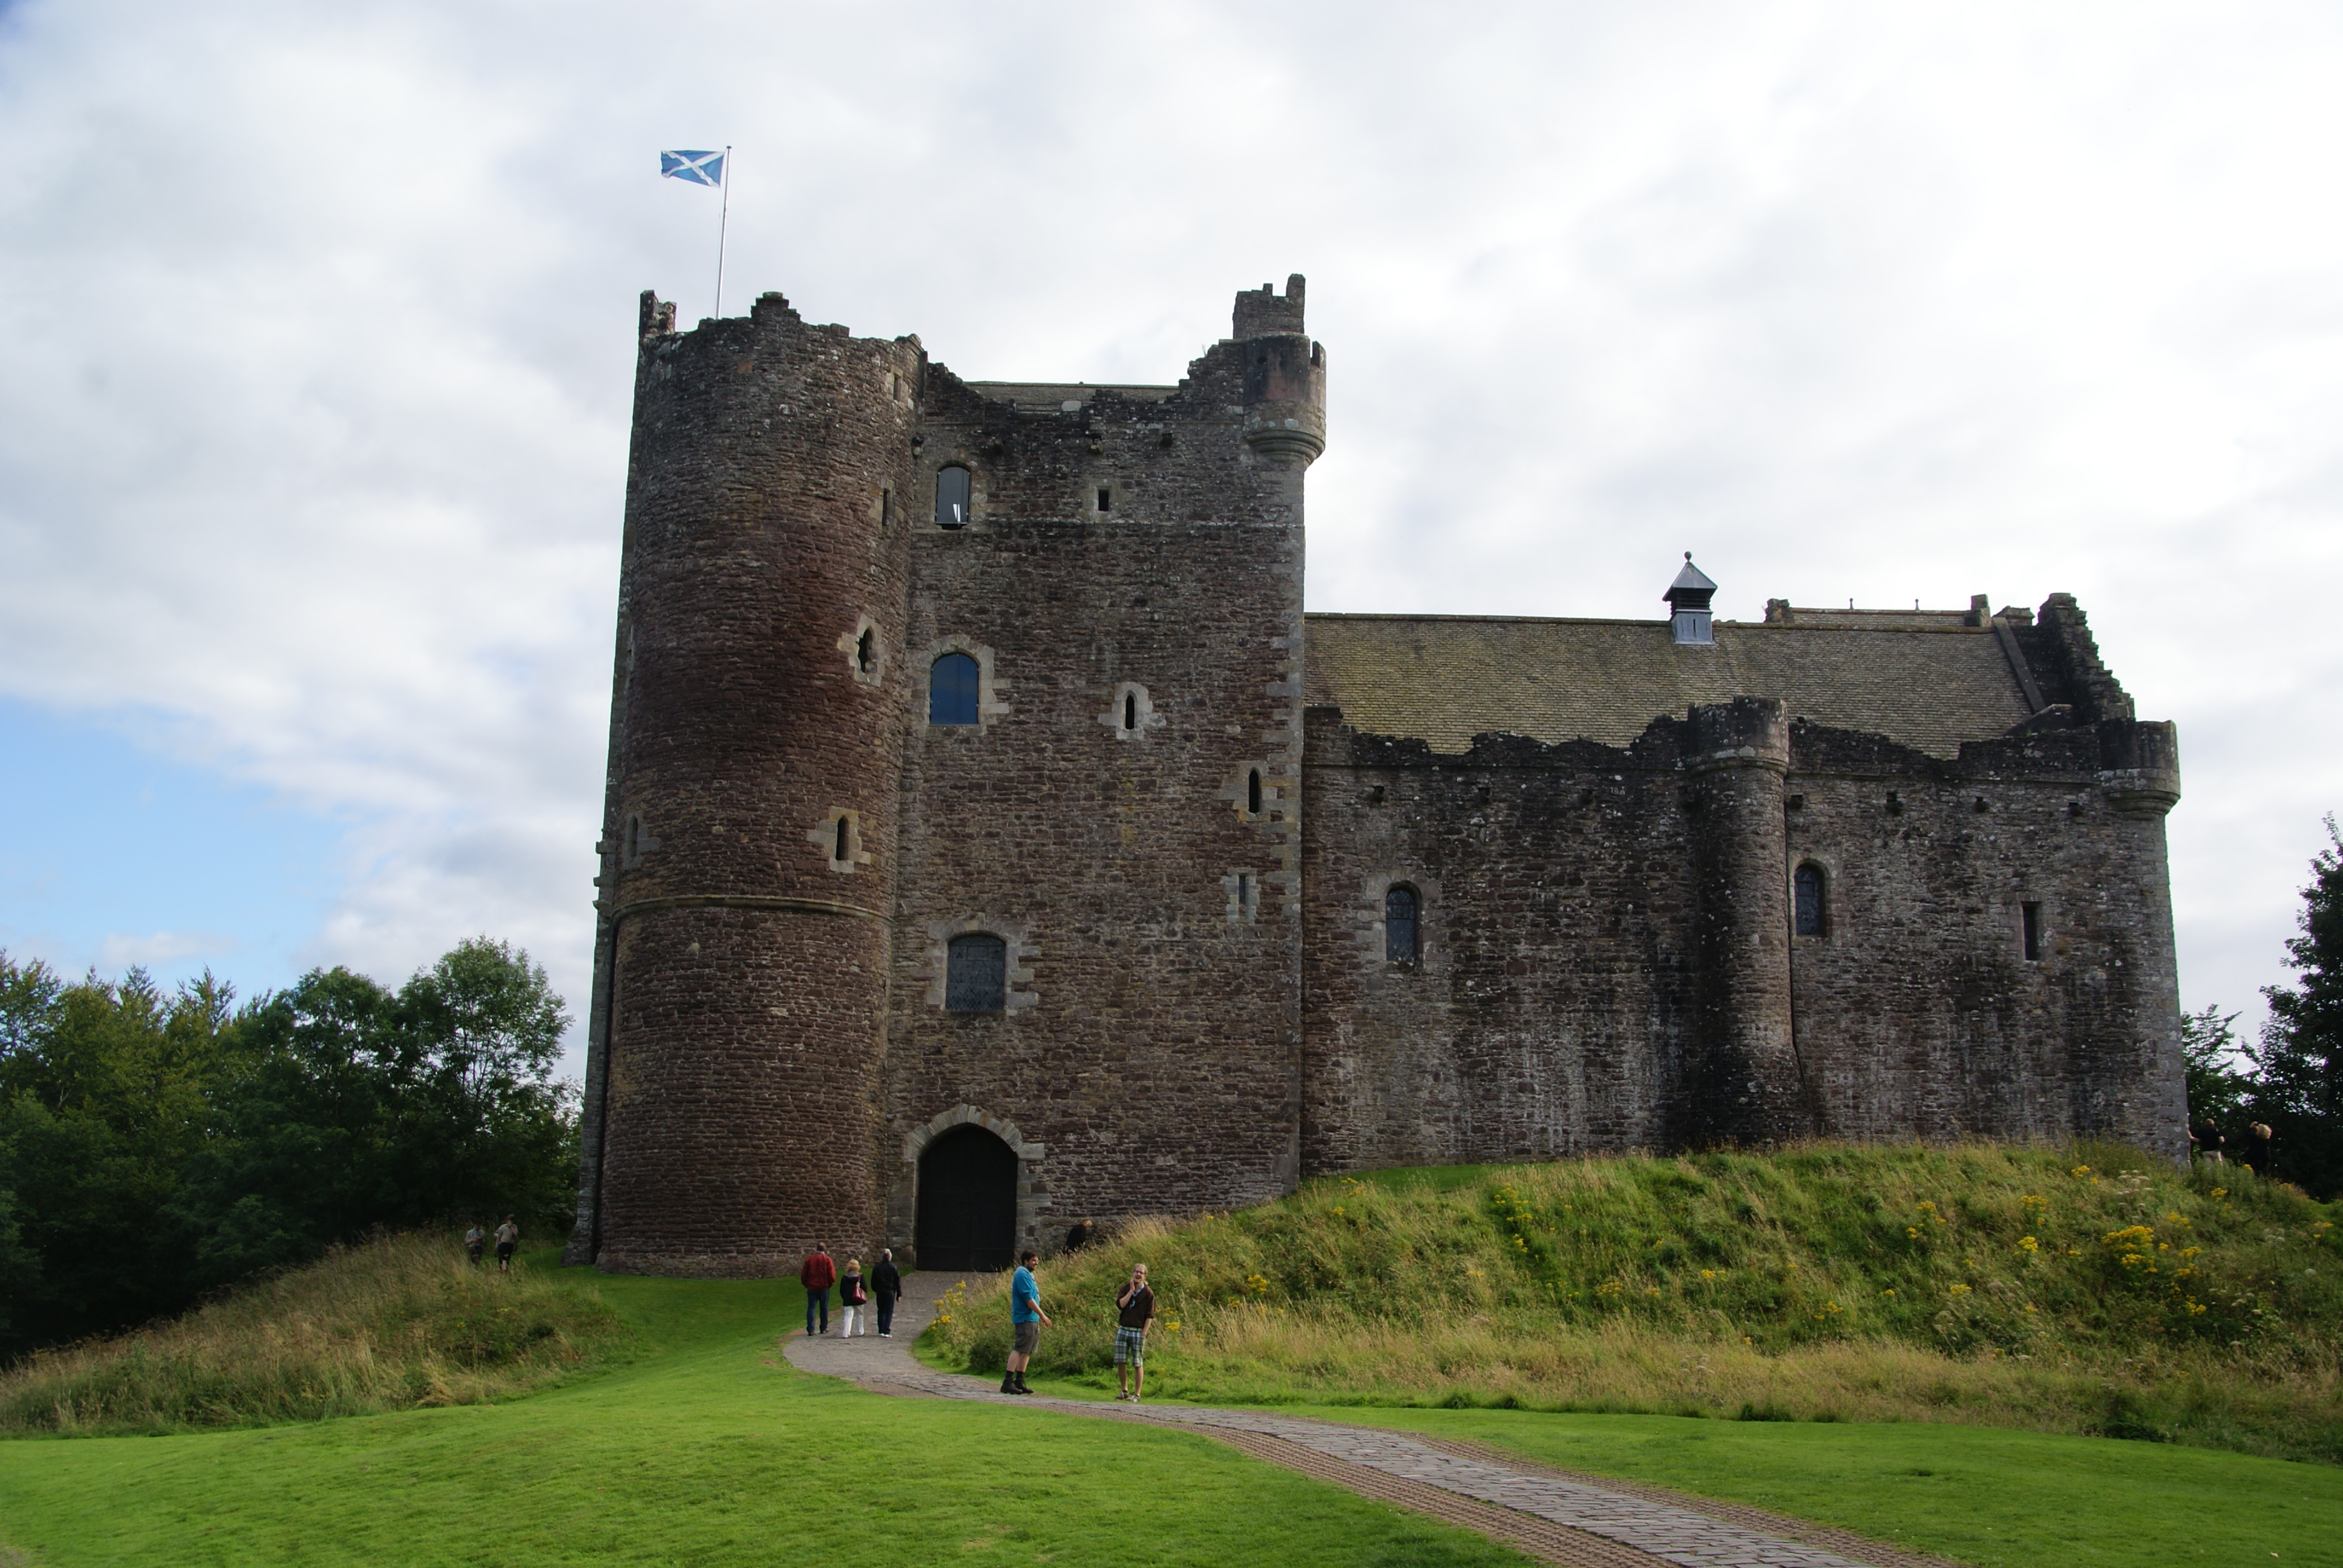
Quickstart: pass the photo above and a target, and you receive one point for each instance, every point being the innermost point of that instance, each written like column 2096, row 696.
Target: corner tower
column 747, row 852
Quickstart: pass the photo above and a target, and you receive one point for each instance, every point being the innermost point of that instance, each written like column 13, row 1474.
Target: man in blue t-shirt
column 1025, row 1319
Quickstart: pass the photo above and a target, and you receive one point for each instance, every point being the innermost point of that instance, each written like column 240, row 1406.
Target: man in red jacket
column 818, row 1275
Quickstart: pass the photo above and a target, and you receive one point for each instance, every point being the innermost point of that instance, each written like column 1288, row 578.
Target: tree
column 2217, row 1089
column 155, row 1146
column 2299, row 1090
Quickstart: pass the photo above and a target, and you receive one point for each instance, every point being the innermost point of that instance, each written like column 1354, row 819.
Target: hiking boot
column 1009, row 1385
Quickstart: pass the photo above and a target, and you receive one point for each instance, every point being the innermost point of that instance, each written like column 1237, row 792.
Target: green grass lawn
column 711, row 1450
column 1973, row 1493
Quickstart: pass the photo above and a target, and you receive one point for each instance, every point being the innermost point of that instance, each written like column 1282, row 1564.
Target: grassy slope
column 2026, row 1288
column 709, row 1450
column 390, row 1324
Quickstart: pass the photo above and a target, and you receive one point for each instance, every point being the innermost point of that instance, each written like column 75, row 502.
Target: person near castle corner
column 850, row 1299
column 1136, row 1303
column 817, row 1276
column 1025, row 1319
column 508, row 1237
column 886, row 1285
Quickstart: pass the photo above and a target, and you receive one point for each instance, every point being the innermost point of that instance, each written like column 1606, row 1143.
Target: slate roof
column 1926, row 680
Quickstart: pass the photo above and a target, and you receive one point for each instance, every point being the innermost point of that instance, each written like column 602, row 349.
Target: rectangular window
column 2030, row 916
column 1106, row 499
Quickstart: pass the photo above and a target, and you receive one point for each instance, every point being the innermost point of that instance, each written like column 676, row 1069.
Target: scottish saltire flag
column 700, row 168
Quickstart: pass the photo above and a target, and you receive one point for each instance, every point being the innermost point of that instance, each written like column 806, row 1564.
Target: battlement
column 1260, row 312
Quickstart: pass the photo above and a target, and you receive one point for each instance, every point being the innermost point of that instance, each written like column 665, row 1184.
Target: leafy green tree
column 153, row 1146
column 2220, row 1080
column 2299, row 1090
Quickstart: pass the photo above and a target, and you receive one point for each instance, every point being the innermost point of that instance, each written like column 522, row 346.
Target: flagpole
column 723, row 221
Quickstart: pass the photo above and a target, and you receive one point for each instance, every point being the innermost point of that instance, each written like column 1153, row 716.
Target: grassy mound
column 2088, row 1290
column 399, row 1322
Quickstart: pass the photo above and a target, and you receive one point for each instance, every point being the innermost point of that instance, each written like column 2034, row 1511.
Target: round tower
column 1742, row 1083
column 733, row 1078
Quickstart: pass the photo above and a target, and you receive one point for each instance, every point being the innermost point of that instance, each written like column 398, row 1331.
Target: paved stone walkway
column 1650, row 1525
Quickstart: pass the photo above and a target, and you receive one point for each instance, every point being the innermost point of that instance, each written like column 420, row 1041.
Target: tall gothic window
column 952, row 492
column 976, row 973
column 1399, row 925
column 1806, row 889
column 951, row 690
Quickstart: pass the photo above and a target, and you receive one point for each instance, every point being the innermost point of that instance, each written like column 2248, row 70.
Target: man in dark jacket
column 886, row 1285
column 818, row 1275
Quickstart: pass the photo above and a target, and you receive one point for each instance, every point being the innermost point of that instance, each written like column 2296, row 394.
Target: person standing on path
column 850, row 1298
column 508, row 1237
column 817, row 1276
column 1136, row 1303
column 886, row 1287
column 1025, row 1319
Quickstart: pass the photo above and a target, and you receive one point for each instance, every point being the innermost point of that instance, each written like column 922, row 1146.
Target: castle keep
column 991, row 840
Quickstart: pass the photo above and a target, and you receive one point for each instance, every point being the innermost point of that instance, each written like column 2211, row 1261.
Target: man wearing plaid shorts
column 1137, row 1304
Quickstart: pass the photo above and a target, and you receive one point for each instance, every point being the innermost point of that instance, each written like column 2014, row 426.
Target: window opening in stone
column 840, row 855
column 1399, row 925
column 968, row 1202
column 886, row 506
column 953, row 498
column 976, row 974
column 1130, row 710
column 2030, row 918
column 866, row 650
column 951, row 690
column 1106, row 500
column 1252, row 792
column 1808, row 889
column 1244, row 889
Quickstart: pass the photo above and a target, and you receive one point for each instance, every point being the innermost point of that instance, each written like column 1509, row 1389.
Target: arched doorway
column 968, row 1202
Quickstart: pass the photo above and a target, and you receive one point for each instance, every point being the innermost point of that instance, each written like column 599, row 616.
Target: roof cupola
column 1688, row 599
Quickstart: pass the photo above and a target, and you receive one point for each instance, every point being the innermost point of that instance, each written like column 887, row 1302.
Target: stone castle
column 993, row 841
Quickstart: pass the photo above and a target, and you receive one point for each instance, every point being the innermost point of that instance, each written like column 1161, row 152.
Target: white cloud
column 312, row 433
column 119, row 952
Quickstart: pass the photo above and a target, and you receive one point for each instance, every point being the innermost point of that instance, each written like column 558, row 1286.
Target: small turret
column 1688, row 599
column 1284, row 377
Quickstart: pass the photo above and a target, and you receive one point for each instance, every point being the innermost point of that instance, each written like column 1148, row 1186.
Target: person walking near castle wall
column 1135, row 1303
column 850, row 1299
column 1025, row 1319
column 508, row 1237
column 886, row 1287
column 817, row 1276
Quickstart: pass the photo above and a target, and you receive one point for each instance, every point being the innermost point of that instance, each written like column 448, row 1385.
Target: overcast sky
column 313, row 411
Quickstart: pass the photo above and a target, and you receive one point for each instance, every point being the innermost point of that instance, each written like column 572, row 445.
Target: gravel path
column 1554, row 1515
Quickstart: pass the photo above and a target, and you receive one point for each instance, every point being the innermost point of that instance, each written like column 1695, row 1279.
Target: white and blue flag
column 700, row 168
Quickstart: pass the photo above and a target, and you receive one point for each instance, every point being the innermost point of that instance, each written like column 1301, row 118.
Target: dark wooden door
column 968, row 1202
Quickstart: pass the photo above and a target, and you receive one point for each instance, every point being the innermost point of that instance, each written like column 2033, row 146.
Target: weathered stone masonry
column 1600, row 826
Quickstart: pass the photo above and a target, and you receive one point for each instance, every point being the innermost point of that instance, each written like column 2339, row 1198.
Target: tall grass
column 398, row 1323
column 2091, row 1289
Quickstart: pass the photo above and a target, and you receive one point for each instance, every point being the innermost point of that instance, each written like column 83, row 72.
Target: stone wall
column 1149, row 1053
column 1606, row 965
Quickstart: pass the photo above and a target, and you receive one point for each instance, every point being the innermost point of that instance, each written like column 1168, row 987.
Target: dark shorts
column 504, row 1251
column 1029, row 1336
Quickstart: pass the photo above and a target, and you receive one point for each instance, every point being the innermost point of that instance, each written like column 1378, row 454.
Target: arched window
column 844, row 850
column 1130, row 710
column 976, row 973
column 866, row 650
column 1807, row 891
column 1252, row 792
column 953, row 493
column 1399, row 925
column 951, row 690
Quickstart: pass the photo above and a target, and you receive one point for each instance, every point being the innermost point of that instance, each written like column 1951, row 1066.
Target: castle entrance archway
column 968, row 1202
